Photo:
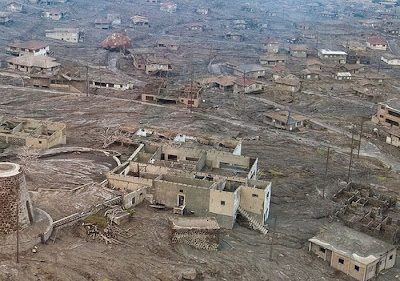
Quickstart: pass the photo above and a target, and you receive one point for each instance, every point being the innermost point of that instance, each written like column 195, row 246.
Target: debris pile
column 117, row 42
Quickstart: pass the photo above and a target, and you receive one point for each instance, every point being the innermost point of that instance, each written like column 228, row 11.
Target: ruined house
column 302, row 25
column 34, row 64
column 377, row 43
column 53, row 15
column 224, row 82
column 314, row 64
column 103, row 78
column 203, row 11
column 388, row 114
column 32, row 48
column 247, row 86
column 114, row 18
column 249, row 70
column 102, row 23
column 5, row 18
column 32, row 133
column 352, row 68
column 196, row 26
column 169, row 44
column 117, row 42
column 285, row 120
column 204, row 183
column 270, row 46
column 279, row 71
column 288, row 83
column 73, row 35
column 153, row 64
column 168, row 7
column 298, row 50
column 391, row 59
column 342, row 76
column 273, row 60
column 307, row 74
column 140, row 20
column 14, row 7
column 329, row 56
column 235, row 36
column 351, row 252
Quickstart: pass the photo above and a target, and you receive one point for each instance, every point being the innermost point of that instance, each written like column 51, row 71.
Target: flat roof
column 29, row 45
column 351, row 243
column 195, row 223
column 8, row 169
column 286, row 116
column 330, row 52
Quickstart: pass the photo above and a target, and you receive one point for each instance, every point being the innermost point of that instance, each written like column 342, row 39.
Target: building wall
column 64, row 36
column 256, row 201
column 134, row 198
column 298, row 54
column 388, row 116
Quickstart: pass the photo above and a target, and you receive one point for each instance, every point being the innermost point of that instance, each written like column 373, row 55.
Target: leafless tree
column 112, row 135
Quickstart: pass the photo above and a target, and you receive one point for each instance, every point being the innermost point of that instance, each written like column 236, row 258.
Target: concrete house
column 249, row 70
column 390, row 59
column 353, row 253
column 33, row 64
column 393, row 137
column 155, row 65
column 285, row 120
column 298, row 50
column 203, row 11
column 352, row 68
column 224, row 82
column 53, row 15
column 115, row 19
column 201, row 182
column 342, row 76
column 270, row 46
column 72, row 35
column 393, row 31
column 140, row 20
column 288, row 83
column 67, row 79
column 307, row 74
column 329, row 56
column 387, row 114
column 377, row 43
column 314, row 65
column 32, row 133
column 31, row 48
column 168, row 7
column 272, row 60
column 302, row 25
column 247, row 86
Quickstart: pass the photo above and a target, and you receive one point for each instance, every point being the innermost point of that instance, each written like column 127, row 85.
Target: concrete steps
column 253, row 223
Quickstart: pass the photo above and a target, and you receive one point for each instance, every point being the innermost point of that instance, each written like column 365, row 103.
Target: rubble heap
column 118, row 42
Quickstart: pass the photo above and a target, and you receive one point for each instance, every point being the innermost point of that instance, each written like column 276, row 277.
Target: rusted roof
column 376, row 41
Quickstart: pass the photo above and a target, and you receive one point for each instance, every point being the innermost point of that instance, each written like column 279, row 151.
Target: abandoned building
column 270, row 46
column 285, row 120
column 273, row 60
column 368, row 211
column 342, row 76
column 115, row 19
column 196, row 26
column 249, row 70
column 32, row 133
column 53, row 15
column 307, row 74
column 14, row 7
column 103, row 78
column 329, row 56
column 140, row 20
column 168, row 7
column 171, row 45
column 34, row 64
column 387, row 114
column 289, row 83
column 152, row 64
column 102, row 23
column 200, row 233
column 391, row 59
column 117, row 41
column 247, row 86
column 5, row 18
column 33, row 48
column 314, row 64
column 351, row 252
column 203, row 11
column 206, row 183
column 352, row 68
column 377, row 43
column 16, row 211
column 279, row 71
column 298, row 50
column 67, row 79
column 73, row 35
column 393, row 137
column 224, row 82
column 235, row 36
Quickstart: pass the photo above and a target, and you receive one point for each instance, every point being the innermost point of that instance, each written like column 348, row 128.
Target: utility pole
column 326, row 173
column 191, row 88
column 359, row 142
column 244, row 91
column 272, row 240
column 17, row 210
column 351, row 153
column 87, row 80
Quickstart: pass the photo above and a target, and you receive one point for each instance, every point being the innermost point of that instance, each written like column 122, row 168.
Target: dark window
column 190, row 102
column 394, row 123
column 254, row 195
column 322, row 250
column 341, row 261
column 391, row 257
column 181, row 190
column 162, row 156
column 223, row 203
column 149, row 98
column 172, row 158
column 393, row 113
column 133, row 200
column 356, row 268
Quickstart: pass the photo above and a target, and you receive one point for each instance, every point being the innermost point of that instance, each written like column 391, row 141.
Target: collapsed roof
column 117, row 41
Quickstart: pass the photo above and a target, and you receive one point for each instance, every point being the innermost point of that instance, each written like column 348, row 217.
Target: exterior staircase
column 252, row 222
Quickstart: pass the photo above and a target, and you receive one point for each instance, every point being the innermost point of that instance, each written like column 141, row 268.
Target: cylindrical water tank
column 13, row 191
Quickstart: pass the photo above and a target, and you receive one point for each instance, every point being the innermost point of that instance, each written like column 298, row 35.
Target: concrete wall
column 256, row 201
column 215, row 158
column 224, row 203
column 134, row 198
